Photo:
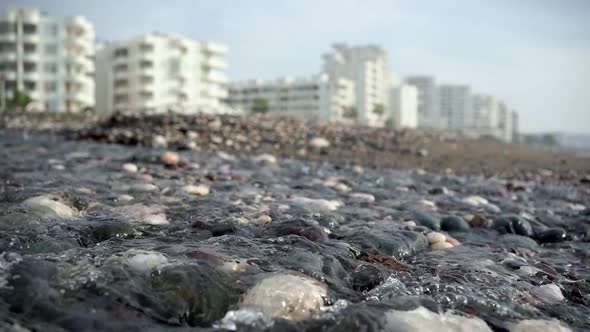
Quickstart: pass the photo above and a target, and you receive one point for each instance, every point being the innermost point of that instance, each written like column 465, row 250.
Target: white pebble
column 264, row 219
column 409, row 223
column 139, row 260
column 475, row 200
column 549, row 293
column 319, row 142
column 143, row 187
column 290, row 296
column 170, row 158
column 321, row 205
column 441, row 246
column 200, row 189
column 435, row 237
column 362, row 197
column 159, row 141
column 125, row 198
column 342, row 187
column 269, row 158
column 155, row 219
column 49, row 206
column 129, row 167
column 424, row 320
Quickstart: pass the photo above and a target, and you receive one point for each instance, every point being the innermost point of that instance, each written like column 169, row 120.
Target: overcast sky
column 534, row 54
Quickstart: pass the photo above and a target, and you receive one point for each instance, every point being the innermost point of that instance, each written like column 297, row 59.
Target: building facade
column 319, row 98
column 51, row 59
column 368, row 68
column 404, row 107
column 429, row 115
column 455, row 104
column 485, row 112
column 157, row 73
column 505, row 122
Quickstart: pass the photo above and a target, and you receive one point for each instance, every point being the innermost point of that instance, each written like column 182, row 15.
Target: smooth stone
column 170, row 158
column 319, row 143
column 125, row 198
column 454, row 224
column 268, row 158
column 286, row 295
column 322, row 205
column 48, row 206
column 435, row 237
column 155, row 219
column 139, row 260
column 341, row 187
column 201, row 189
column 475, row 200
column 539, row 325
column 424, row 320
column 129, row 167
column 112, row 229
column 58, row 167
column 513, row 224
column 159, row 141
column 362, row 197
column 441, row 246
column 264, row 219
column 551, row 235
column 526, row 271
column 143, row 187
column 453, row 241
column 151, row 215
column 426, row 219
column 549, row 293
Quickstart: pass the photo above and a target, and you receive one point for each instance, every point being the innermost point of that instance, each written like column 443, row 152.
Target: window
column 50, row 86
column 50, row 68
column 7, row 27
column 51, row 49
column 174, row 66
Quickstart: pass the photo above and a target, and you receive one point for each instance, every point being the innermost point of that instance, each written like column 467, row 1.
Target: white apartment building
column 368, row 68
column 404, row 106
column 455, row 105
column 485, row 112
column 158, row 73
column 429, row 115
column 505, row 122
column 51, row 59
column 319, row 97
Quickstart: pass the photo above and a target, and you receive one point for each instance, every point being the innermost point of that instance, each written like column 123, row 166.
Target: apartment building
column 455, row 104
column 319, row 97
column 429, row 115
column 157, row 73
column 404, row 107
column 505, row 122
column 485, row 112
column 515, row 127
column 368, row 68
column 51, row 59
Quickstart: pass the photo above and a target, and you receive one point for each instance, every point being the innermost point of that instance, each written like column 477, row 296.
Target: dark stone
column 109, row 230
column 551, row 235
column 427, row 219
column 366, row 277
column 307, row 229
column 454, row 224
column 387, row 242
column 197, row 295
column 518, row 241
column 513, row 224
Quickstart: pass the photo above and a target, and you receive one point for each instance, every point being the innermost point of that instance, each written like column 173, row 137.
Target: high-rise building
column 485, row 112
column 319, row 97
column 429, row 115
column 368, row 68
column 404, row 107
column 51, row 59
column 455, row 104
column 505, row 122
column 159, row 73
column 515, row 127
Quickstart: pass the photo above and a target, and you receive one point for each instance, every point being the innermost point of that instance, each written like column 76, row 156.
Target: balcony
column 8, row 37
column 215, row 63
column 31, row 76
column 31, row 56
column 216, row 77
column 31, row 38
column 7, row 56
column 217, row 49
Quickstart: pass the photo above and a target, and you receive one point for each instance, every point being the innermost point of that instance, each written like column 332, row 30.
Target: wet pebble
column 286, row 295
column 551, row 235
column 129, row 167
column 549, row 293
column 317, row 204
column 441, row 246
column 201, row 189
column 139, row 260
column 170, row 158
column 539, row 325
column 49, row 206
column 362, row 197
column 424, row 320
column 427, row 219
column 454, row 224
column 435, row 237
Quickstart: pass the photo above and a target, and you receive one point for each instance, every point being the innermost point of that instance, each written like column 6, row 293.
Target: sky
column 533, row 54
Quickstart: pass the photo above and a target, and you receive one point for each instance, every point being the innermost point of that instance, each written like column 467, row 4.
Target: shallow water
column 166, row 259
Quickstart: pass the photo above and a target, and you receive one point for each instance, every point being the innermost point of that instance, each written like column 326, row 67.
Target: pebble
column 362, row 198
column 475, row 200
column 48, row 206
column 264, row 219
column 170, row 158
column 151, row 215
column 342, row 187
column 201, row 189
column 454, row 224
column 539, row 325
column 124, row 198
column 159, row 141
column 550, row 293
column 424, row 320
column 453, row 241
column 129, row 167
column 551, row 235
column 435, row 237
column 142, row 261
column 319, row 143
column 59, row 167
column 268, row 158
column 286, row 295
column 441, row 246
column 143, row 187
column 317, row 204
